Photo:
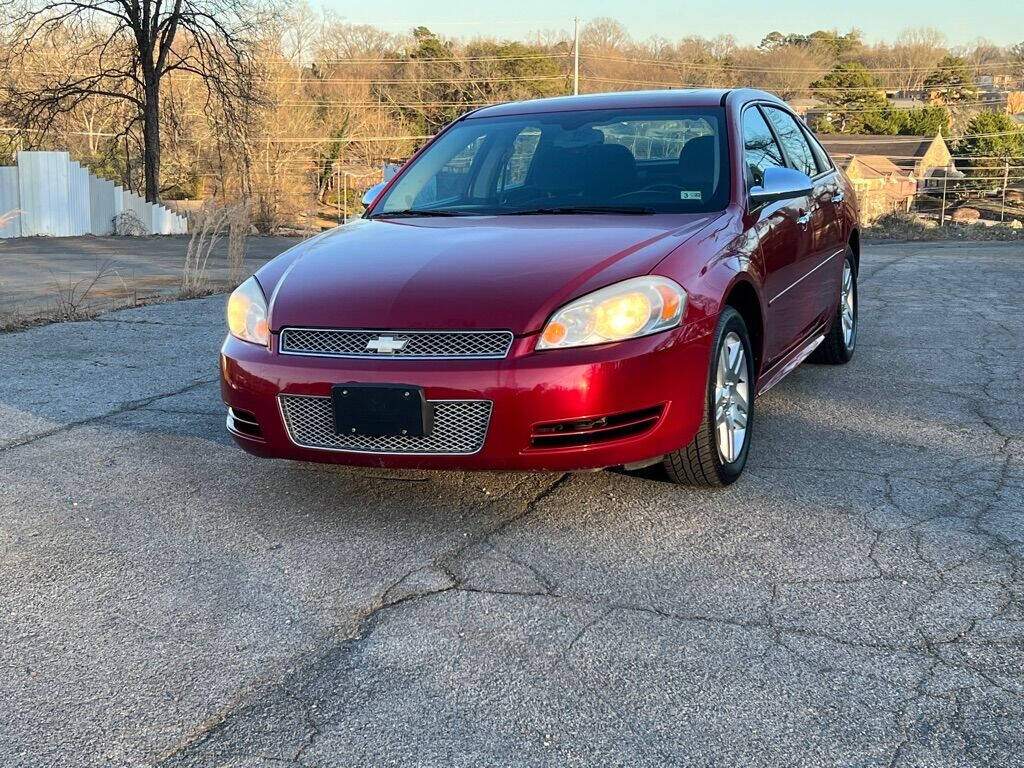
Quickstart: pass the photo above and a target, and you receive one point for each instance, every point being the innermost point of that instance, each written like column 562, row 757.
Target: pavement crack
column 419, row 583
column 130, row 405
column 310, row 720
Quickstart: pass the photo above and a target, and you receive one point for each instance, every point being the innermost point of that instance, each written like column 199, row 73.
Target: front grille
column 327, row 342
column 460, row 426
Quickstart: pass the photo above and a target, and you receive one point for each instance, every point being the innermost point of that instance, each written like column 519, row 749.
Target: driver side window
column 760, row 150
column 452, row 180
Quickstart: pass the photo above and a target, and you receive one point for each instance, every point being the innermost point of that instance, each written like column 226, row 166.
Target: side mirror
column 373, row 193
column 780, row 184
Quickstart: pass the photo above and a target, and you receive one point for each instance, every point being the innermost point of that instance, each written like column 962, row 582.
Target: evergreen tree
column 856, row 103
column 991, row 139
column 951, row 81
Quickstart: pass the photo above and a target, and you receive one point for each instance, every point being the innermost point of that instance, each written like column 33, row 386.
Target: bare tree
column 127, row 49
column 787, row 70
column 914, row 53
column 604, row 36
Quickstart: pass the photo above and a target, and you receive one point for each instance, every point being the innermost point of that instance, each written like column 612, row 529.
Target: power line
column 338, row 81
column 824, row 107
column 263, row 139
column 695, row 64
column 384, row 104
column 770, row 68
column 367, row 139
column 314, row 61
column 639, row 81
column 912, row 140
column 431, row 60
column 370, row 80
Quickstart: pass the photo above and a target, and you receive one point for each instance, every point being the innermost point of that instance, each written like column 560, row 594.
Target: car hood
column 495, row 272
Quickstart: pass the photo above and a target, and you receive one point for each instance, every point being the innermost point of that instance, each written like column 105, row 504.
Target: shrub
column 965, row 214
column 127, row 224
column 897, row 226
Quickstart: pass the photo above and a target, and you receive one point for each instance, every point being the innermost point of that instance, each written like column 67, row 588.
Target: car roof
column 693, row 97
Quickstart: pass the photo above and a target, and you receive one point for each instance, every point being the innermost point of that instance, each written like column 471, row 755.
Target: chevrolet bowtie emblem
column 386, row 345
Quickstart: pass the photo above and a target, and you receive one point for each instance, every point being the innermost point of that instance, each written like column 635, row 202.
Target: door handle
column 804, row 220
column 838, row 197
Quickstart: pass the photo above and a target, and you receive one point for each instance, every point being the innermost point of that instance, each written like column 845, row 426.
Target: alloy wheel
column 732, row 398
column 849, row 316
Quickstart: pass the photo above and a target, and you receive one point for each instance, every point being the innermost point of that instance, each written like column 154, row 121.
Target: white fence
column 51, row 195
column 9, row 203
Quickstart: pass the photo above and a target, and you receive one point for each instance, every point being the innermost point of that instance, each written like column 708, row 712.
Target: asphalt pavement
column 36, row 271
column 856, row 599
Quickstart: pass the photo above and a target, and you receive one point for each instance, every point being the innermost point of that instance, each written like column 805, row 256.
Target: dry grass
column 907, row 226
column 73, row 296
column 14, row 320
column 208, row 226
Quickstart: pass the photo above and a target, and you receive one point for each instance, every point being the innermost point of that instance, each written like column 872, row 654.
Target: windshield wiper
column 415, row 212
column 570, row 209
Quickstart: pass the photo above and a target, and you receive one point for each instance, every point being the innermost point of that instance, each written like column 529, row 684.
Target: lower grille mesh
column 460, row 426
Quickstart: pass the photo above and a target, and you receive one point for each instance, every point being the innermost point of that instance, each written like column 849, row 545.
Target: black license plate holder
column 381, row 410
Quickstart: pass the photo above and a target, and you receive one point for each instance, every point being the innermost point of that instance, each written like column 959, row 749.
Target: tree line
column 252, row 99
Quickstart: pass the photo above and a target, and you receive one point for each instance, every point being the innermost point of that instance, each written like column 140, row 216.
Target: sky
column 962, row 21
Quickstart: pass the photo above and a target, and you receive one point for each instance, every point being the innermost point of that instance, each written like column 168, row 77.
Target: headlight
column 635, row 307
column 247, row 313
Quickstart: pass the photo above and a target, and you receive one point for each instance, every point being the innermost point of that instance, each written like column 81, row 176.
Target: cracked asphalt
column 856, row 599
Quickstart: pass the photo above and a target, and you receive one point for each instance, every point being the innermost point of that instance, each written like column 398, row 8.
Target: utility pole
column 346, row 198
column 1006, row 181
column 576, row 56
column 942, row 215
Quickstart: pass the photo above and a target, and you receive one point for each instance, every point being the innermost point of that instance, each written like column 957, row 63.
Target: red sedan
column 559, row 284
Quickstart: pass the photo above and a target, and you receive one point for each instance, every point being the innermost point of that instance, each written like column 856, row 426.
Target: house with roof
column 881, row 185
column 805, row 107
column 926, row 158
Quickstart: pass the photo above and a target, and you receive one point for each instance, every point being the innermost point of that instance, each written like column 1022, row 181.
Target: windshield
column 595, row 161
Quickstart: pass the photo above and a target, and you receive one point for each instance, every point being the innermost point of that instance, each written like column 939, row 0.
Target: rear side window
column 793, row 141
column 760, row 150
column 820, row 155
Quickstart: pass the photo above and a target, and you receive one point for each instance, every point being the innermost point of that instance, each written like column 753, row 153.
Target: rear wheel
column 718, row 452
column 841, row 339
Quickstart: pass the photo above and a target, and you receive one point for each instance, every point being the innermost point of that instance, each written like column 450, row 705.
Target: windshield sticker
column 687, row 195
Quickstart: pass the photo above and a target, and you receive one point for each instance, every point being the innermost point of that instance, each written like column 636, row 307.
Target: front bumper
column 665, row 374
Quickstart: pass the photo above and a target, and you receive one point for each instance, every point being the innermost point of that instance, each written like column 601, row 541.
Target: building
column 881, row 185
column 806, row 107
column 926, row 158
column 1000, row 82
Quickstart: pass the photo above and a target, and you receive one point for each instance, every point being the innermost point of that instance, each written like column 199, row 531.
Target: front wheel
column 718, row 452
column 839, row 343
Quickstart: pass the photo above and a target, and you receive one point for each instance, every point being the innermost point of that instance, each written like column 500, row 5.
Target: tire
column 702, row 462
column 838, row 346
